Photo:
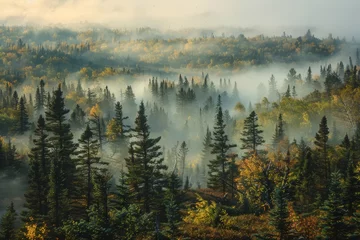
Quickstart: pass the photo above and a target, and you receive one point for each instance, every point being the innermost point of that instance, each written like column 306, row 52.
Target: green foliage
column 219, row 166
column 7, row 224
column 279, row 215
column 333, row 225
column 252, row 137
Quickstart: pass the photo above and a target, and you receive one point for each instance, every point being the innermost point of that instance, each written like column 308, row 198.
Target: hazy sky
column 328, row 15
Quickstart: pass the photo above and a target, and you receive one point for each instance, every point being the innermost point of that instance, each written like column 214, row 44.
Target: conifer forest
column 194, row 132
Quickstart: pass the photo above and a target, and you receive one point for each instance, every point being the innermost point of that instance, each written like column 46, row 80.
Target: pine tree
column 101, row 198
column 146, row 164
column 273, row 92
column 89, row 162
column 183, row 151
column 206, row 156
column 7, row 224
column 333, row 226
column 351, row 188
column 23, row 124
column 38, row 176
column 120, row 118
column 63, row 167
column 321, row 144
column 15, row 100
column 279, row 131
column 218, row 167
column 122, row 194
column 279, row 216
column 77, row 118
column 309, row 79
column 90, row 98
column 251, row 134
column 287, row 93
column 79, row 90
column 187, row 183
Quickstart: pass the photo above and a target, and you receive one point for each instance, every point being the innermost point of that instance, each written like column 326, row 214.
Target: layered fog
column 179, row 59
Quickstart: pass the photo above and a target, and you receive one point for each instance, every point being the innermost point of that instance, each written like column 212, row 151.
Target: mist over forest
column 192, row 128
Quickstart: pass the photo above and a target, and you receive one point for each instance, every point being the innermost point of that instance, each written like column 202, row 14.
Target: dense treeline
column 183, row 158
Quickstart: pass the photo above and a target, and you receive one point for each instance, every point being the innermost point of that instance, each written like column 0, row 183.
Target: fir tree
column 183, row 151
column 7, row 224
column 321, row 144
column 89, row 162
column 146, row 164
column 63, row 167
column 187, row 183
column 218, row 167
column 38, row 176
column 351, row 188
column 287, row 93
column 251, row 134
column 77, row 117
column 90, row 98
column 206, row 155
column 309, row 79
column 333, row 226
column 23, row 124
column 279, row 216
column 279, row 131
column 273, row 92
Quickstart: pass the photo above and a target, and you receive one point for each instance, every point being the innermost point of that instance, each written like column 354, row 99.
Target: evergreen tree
column 146, row 165
column 23, row 124
column 77, row 117
column 98, row 128
column 79, row 90
column 183, row 151
column 251, row 134
column 333, row 226
column 279, row 131
column 15, row 100
column 287, row 93
column 321, row 144
column 90, row 98
column 309, row 78
column 38, row 176
column 187, row 183
column 7, row 224
column 279, row 216
column 219, row 166
column 63, row 167
column 273, row 92
column 89, row 162
column 351, row 188
column 206, row 156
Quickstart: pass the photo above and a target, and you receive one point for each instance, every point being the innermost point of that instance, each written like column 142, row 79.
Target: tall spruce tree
column 183, row 151
column 218, row 167
column 63, row 167
column 38, row 176
column 279, row 131
column 351, row 188
column 89, row 162
column 334, row 226
column 23, row 122
column 321, row 144
column 147, row 166
column 206, row 156
column 279, row 216
column 252, row 137
column 7, row 224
